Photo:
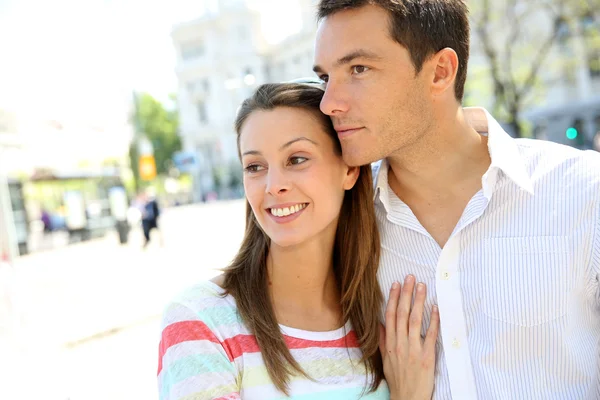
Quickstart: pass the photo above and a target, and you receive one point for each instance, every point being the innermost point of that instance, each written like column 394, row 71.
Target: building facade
column 221, row 58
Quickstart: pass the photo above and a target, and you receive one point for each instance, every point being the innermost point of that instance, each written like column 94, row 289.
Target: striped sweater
column 206, row 352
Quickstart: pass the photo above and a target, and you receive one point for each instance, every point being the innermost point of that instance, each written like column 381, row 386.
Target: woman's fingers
column 404, row 306
column 382, row 339
column 390, row 316
column 416, row 315
column 409, row 362
column 433, row 330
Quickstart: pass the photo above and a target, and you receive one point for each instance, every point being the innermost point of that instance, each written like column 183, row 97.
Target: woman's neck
column 303, row 286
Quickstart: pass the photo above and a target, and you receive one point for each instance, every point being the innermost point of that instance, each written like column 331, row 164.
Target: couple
column 505, row 234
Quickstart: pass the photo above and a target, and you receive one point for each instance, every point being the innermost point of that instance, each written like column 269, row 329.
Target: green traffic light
column 572, row 133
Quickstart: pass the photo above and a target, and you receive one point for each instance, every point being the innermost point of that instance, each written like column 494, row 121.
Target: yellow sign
column 147, row 167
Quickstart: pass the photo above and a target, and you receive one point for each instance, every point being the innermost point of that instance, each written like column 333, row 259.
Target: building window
column 202, row 115
column 190, row 86
column 192, row 50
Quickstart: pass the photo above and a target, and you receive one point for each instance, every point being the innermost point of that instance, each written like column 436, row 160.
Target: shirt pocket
column 525, row 279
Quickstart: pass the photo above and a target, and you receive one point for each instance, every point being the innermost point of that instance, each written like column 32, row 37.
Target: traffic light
column 575, row 134
column 572, row 133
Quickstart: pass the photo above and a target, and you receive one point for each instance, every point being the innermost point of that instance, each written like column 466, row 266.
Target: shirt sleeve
column 193, row 364
column 596, row 251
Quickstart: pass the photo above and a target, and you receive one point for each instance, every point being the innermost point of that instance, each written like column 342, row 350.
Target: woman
column 297, row 312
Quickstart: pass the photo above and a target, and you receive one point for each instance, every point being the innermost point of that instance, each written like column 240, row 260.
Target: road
column 88, row 314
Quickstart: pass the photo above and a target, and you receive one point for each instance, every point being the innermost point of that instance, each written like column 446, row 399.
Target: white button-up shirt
column 517, row 281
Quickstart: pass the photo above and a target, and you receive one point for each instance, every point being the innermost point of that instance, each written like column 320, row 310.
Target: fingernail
column 435, row 309
column 395, row 285
column 410, row 279
column 420, row 287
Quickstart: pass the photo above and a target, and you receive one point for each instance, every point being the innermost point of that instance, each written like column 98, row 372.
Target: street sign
column 186, row 161
column 147, row 167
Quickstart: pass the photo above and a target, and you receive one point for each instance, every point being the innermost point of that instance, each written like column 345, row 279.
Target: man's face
column 378, row 104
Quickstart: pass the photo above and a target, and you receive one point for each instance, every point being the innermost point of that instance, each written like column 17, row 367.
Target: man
column 150, row 214
column 504, row 232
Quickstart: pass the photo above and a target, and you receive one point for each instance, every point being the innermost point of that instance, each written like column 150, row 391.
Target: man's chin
column 355, row 157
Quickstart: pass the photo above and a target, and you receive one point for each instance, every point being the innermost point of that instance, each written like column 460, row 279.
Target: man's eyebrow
column 348, row 58
column 286, row 145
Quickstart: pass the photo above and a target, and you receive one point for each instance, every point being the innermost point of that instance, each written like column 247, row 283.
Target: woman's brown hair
column 355, row 256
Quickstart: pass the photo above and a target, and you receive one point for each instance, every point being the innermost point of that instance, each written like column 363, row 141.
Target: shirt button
column 456, row 343
column 445, row 275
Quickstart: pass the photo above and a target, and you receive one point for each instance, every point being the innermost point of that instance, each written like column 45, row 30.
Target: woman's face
column 293, row 177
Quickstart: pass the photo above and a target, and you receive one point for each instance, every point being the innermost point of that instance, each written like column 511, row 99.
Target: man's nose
column 333, row 102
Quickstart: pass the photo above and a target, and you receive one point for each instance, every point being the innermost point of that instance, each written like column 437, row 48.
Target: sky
column 81, row 59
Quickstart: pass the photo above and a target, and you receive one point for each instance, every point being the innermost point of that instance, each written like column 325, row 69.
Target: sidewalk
column 91, row 290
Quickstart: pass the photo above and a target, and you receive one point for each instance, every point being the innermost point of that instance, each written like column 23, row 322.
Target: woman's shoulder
column 209, row 290
column 205, row 301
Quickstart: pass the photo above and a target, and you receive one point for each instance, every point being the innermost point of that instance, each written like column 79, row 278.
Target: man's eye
column 253, row 168
column 359, row 69
column 324, row 78
column 298, row 160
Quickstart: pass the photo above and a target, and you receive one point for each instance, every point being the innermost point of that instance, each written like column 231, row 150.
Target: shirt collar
column 382, row 187
column 504, row 154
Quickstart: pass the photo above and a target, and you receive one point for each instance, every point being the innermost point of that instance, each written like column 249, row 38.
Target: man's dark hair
column 423, row 27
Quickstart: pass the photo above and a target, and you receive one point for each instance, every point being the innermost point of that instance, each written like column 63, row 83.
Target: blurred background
column 116, row 114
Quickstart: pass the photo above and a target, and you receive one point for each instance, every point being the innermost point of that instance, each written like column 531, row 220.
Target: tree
column 516, row 37
column 160, row 125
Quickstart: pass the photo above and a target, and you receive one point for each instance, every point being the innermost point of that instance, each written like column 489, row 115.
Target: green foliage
column 527, row 46
column 160, row 125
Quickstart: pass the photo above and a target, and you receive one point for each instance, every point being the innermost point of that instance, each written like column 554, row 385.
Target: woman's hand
column 408, row 359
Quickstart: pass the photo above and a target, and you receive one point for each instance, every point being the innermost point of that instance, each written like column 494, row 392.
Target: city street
column 88, row 314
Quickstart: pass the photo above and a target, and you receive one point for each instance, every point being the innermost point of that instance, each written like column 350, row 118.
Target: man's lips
column 346, row 131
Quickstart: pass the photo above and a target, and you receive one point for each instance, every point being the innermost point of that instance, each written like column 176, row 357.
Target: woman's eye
column 298, row 160
column 253, row 168
column 359, row 69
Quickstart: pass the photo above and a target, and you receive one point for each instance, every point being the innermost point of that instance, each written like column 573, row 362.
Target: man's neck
column 445, row 161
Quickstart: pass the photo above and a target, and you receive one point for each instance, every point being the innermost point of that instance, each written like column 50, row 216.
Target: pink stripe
column 240, row 344
column 184, row 331
column 180, row 332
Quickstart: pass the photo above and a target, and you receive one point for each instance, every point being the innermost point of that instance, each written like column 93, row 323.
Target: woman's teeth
column 284, row 212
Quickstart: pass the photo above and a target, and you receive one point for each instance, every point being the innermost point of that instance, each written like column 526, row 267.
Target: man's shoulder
column 561, row 161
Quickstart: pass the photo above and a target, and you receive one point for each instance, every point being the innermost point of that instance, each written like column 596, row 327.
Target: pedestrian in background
column 150, row 214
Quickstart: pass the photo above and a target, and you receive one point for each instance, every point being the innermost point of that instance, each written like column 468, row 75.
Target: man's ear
column 445, row 64
column 352, row 174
